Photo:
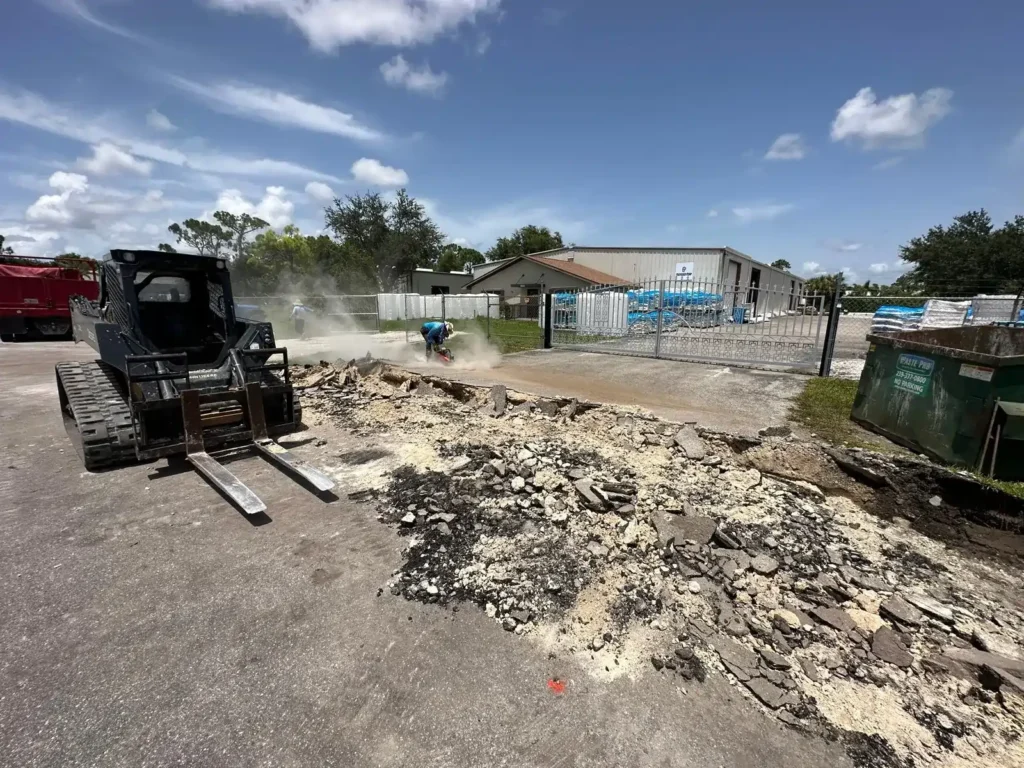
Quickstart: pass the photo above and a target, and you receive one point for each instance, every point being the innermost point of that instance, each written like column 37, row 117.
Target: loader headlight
column 220, row 264
column 129, row 257
column 254, row 345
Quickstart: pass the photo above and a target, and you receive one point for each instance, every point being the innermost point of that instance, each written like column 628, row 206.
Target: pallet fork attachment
column 219, row 476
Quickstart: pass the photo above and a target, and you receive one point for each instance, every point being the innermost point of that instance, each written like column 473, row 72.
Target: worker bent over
column 435, row 334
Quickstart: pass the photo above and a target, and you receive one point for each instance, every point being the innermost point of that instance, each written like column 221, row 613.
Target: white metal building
column 725, row 270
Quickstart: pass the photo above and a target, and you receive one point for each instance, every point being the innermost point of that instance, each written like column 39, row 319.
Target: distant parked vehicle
column 35, row 295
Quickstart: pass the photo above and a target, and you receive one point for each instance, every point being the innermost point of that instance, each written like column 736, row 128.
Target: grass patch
column 1011, row 488
column 824, row 407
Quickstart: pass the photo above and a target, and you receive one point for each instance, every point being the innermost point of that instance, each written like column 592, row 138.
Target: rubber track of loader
column 100, row 413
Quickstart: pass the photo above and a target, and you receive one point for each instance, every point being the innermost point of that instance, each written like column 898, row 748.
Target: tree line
column 374, row 243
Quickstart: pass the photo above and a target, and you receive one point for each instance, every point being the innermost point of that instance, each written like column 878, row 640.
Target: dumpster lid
column 1013, row 410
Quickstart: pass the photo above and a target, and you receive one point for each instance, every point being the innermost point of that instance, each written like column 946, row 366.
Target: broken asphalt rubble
column 611, row 531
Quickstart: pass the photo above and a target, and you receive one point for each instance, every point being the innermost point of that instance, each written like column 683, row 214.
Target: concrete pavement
column 145, row 622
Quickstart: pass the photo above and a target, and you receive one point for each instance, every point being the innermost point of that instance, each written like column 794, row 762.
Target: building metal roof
column 668, row 249
column 595, row 276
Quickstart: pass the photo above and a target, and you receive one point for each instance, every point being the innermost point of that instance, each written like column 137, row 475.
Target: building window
column 439, row 289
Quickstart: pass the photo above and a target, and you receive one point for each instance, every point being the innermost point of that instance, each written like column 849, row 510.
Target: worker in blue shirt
column 434, row 334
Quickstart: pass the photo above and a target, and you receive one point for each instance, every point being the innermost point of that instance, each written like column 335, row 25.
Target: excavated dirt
column 865, row 599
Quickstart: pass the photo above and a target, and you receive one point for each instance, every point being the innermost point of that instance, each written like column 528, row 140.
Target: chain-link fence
column 863, row 315
column 764, row 326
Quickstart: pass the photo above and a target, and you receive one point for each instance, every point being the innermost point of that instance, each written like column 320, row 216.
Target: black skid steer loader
column 178, row 373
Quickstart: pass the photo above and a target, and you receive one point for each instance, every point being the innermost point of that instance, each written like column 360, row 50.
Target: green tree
column 241, row 226
column 967, row 257
column 782, row 264
column 8, row 251
column 524, row 241
column 166, row 248
column 395, row 237
column 204, row 238
column 455, row 258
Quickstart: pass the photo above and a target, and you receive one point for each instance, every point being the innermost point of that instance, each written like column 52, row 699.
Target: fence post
column 549, row 304
column 829, row 347
column 661, row 316
column 488, row 316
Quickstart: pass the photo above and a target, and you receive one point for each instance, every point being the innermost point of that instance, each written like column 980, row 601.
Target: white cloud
column 77, row 204
column 278, row 108
column 320, row 192
column 849, row 275
column 844, row 246
column 78, row 10
column 328, row 24
column 764, row 212
column 29, row 240
column 398, row 73
column 888, row 163
column 274, row 208
column 483, row 44
column 789, row 146
column 158, row 121
column 811, row 267
column 372, row 172
column 880, row 268
column 712, row 214
column 26, row 108
column 898, row 121
column 108, row 159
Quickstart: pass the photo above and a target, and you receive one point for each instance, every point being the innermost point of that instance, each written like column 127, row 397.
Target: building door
column 753, row 293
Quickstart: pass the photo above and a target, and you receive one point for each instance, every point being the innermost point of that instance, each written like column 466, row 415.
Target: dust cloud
column 335, row 334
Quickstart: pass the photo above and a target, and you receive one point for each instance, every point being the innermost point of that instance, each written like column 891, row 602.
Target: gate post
column 661, row 304
column 549, row 304
column 829, row 347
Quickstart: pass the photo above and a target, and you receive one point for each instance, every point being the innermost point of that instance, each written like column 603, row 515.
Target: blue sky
column 823, row 133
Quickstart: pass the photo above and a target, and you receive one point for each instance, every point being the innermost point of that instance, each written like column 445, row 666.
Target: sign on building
column 684, row 270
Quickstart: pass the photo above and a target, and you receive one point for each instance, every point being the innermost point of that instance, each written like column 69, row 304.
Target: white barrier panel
column 602, row 314
column 413, row 306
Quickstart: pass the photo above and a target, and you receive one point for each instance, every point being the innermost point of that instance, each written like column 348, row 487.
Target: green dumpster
column 935, row 391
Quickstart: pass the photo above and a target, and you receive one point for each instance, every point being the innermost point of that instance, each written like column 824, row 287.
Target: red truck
column 34, row 294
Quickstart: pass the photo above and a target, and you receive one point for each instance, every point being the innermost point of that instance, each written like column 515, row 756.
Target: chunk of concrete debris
column 518, row 483
column 694, row 587
column 785, row 620
column 675, row 529
column 930, row 606
column 526, row 407
column 742, row 479
column 867, row 581
column 585, row 488
column 886, row 645
column 735, row 657
column 993, row 643
column 780, row 430
column 548, row 407
column 409, row 519
column 866, row 622
column 690, row 443
column 774, row 660
column 767, row 693
column 499, row 399
column 975, row 660
column 765, row 565
column 834, row 617
column 935, row 501
column 898, row 609
column 500, row 467
column 597, row 550
column 810, row 670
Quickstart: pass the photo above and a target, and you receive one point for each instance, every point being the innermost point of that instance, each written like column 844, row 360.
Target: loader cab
column 175, row 303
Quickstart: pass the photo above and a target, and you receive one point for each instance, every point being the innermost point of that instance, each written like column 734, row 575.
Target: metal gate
column 760, row 326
